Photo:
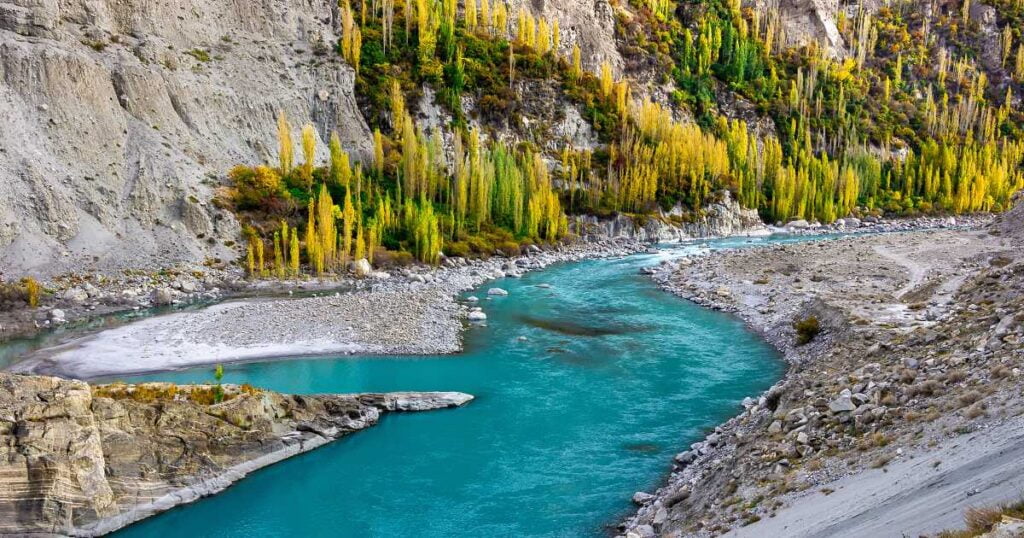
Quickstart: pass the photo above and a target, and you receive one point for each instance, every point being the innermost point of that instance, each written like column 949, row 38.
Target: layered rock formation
column 121, row 116
column 80, row 460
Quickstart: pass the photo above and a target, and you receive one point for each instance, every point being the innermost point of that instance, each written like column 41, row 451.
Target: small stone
column 642, row 498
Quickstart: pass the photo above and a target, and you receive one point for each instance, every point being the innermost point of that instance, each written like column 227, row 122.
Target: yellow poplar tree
column 284, row 143
column 577, row 63
column 470, row 15
column 347, row 224
column 308, row 152
column 485, row 15
column 293, row 245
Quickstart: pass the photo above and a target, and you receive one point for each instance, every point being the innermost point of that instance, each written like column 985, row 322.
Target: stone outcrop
column 589, row 23
column 83, row 461
column 805, row 21
column 720, row 219
column 120, row 116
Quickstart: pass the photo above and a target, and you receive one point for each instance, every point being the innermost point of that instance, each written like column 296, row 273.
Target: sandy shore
column 894, row 419
column 409, row 314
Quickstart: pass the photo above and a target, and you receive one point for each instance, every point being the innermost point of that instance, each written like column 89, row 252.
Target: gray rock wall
column 113, row 136
column 720, row 219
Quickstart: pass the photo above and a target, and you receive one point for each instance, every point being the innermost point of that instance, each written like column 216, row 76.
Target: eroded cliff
column 121, row 116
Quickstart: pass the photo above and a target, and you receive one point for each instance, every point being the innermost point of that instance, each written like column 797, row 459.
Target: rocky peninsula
column 81, row 460
column 901, row 407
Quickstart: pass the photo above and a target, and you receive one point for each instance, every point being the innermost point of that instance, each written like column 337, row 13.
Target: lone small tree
column 218, row 391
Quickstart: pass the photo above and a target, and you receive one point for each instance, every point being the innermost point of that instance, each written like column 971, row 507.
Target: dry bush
column 999, row 372
column 956, row 376
column 969, row 398
column 928, row 388
column 981, row 520
column 975, row 411
column 881, row 461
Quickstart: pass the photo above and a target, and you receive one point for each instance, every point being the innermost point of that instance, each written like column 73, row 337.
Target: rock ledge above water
column 82, row 460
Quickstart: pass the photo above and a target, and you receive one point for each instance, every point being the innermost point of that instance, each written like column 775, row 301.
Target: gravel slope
column 919, row 359
column 925, row 493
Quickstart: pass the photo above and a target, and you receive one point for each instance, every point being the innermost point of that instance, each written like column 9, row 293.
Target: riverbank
column 74, row 300
column 82, row 460
column 916, row 355
column 415, row 313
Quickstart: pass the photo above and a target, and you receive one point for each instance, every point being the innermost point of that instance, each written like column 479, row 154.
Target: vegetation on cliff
column 909, row 122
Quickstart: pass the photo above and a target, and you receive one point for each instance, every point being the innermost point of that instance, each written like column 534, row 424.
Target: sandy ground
column 417, row 322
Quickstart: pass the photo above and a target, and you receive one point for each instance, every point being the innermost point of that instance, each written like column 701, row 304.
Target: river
column 588, row 380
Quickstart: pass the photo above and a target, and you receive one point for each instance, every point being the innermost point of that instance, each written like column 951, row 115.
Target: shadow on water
column 573, row 328
column 643, row 448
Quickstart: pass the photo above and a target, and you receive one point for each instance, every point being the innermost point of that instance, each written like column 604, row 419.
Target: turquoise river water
column 613, row 378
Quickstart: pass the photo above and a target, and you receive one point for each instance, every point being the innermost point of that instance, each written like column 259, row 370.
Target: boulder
column 660, row 517
column 685, row 458
column 842, row 404
column 497, row 292
column 76, row 295
column 477, row 316
column 362, row 268
column 642, row 498
column 163, row 296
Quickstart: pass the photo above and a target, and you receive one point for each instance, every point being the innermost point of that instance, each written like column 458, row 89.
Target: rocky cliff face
column 719, row 219
column 83, row 461
column 588, row 23
column 119, row 116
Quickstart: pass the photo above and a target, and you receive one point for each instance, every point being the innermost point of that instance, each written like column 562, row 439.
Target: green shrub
column 806, row 330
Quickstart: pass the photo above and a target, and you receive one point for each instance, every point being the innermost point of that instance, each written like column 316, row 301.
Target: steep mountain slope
column 119, row 117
